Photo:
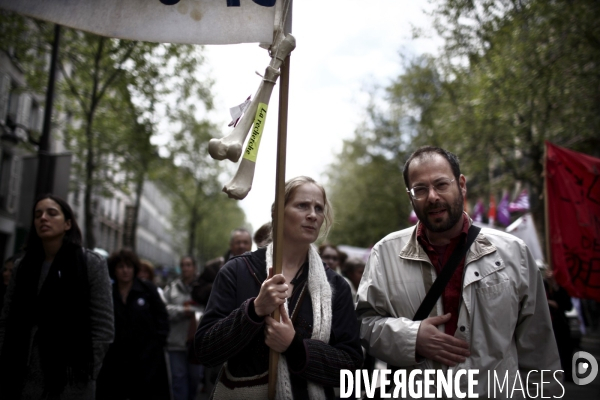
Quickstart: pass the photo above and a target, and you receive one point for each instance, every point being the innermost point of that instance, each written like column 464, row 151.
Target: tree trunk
column 192, row 232
column 90, row 166
column 195, row 219
column 90, row 238
column 139, row 188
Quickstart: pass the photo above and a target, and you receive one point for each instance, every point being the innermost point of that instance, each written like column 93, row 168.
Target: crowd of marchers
column 442, row 295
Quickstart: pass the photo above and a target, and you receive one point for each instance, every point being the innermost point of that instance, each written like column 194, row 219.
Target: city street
column 589, row 343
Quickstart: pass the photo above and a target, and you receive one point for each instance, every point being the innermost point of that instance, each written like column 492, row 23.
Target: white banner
column 187, row 21
column 524, row 228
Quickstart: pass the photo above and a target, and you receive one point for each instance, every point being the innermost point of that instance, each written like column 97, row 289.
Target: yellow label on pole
column 257, row 130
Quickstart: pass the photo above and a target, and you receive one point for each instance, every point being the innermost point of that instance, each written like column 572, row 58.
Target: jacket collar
column 413, row 250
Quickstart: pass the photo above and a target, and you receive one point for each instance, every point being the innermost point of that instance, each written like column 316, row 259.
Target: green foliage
column 510, row 76
column 121, row 82
column 116, row 96
column 203, row 215
column 529, row 73
column 28, row 43
column 365, row 184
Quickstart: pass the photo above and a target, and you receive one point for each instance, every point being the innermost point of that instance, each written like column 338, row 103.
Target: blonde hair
column 290, row 187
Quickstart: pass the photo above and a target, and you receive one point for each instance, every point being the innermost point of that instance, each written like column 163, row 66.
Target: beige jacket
column 503, row 314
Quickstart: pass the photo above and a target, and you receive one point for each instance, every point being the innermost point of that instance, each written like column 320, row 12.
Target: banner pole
column 284, row 80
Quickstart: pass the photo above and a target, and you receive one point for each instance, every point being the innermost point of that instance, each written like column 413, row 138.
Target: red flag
column 492, row 210
column 573, row 190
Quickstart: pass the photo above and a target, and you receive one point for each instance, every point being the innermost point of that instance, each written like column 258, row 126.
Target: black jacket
column 135, row 365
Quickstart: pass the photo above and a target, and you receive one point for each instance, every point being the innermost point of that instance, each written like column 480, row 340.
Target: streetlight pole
column 45, row 170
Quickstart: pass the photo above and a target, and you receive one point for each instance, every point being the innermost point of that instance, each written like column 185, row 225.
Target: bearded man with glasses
column 491, row 312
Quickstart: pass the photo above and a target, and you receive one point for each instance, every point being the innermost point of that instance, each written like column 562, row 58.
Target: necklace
column 295, row 279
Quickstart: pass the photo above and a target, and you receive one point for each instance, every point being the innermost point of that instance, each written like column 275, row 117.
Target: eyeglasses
column 421, row 192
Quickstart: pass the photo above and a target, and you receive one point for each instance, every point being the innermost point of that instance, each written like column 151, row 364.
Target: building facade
column 21, row 119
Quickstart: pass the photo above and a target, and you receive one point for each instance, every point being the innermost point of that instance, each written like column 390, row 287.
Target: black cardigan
column 231, row 331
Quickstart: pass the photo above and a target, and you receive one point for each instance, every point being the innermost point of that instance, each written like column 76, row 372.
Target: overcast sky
column 343, row 47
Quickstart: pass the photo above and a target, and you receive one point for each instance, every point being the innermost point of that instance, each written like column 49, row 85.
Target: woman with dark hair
column 318, row 332
column 135, row 365
column 57, row 321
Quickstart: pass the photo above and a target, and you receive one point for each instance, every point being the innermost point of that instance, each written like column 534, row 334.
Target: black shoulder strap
column 443, row 278
column 251, row 270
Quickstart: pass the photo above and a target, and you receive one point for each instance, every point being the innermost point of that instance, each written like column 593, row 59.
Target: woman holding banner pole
column 318, row 332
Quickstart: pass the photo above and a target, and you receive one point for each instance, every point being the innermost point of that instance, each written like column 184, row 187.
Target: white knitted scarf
column 320, row 296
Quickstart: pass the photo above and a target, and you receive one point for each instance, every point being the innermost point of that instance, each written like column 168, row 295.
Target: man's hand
column 279, row 335
column 273, row 293
column 438, row 346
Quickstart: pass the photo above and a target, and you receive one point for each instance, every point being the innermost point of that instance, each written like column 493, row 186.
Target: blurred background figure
column 200, row 294
column 186, row 373
column 146, row 273
column 353, row 269
column 201, row 290
column 6, row 274
column 135, row 366
column 239, row 243
column 334, row 259
column 330, row 256
column 262, row 237
column 57, row 320
column 559, row 302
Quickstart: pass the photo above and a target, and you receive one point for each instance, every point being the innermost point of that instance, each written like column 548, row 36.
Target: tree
column 516, row 74
column 365, row 182
column 203, row 215
column 510, row 76
column 105, row 77
column 116, row 95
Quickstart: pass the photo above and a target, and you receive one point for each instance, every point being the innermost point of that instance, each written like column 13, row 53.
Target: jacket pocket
column 493, row 291
column 495, row 314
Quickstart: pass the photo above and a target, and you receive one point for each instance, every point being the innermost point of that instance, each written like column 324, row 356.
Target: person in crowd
column 57, row 321
column 200, row 294
column 353, row 269
column 135, row 366
column 263, row 235
column 330, row 256
column 240, row 242
column 559, row 302
column 491, row 316
column 6, row 274
column 146, row 273
column 342, row 257
column 318, row 332
column 186, row 373
column 201, row 290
